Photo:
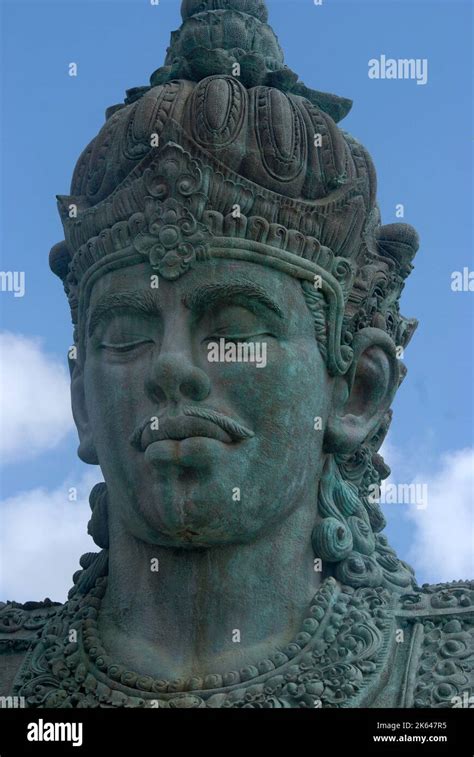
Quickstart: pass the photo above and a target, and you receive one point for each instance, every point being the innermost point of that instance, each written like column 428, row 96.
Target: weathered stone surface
column 206, row 211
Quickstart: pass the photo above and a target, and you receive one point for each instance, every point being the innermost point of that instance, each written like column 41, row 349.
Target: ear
column 86, row 449
column 362, row 397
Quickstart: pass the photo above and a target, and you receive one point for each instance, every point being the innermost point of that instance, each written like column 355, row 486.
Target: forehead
column 284, row 290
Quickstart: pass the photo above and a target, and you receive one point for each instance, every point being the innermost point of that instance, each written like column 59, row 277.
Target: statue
column 235, row 301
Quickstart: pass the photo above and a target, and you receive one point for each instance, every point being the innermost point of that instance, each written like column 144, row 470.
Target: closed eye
column 125, row 346
column 237, row 337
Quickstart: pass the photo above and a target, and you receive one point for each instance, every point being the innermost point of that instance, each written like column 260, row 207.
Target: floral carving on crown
column 173, row 240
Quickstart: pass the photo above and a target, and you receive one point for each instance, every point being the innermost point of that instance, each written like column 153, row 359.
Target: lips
column 181, row 427
column 188, row 422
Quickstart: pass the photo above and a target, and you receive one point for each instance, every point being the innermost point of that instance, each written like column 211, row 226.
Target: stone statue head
column 221, row 213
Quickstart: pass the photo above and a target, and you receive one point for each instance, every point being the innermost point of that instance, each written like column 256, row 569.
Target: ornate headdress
column 228, row 155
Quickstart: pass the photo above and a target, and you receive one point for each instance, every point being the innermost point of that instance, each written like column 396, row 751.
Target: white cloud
column 443, row 540
column 42, row 536
column 35, row 412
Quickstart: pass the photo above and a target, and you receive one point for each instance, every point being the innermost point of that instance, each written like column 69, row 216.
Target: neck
column 207, row 611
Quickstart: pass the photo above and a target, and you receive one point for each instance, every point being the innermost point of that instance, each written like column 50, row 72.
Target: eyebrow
column 143, row 302
column 199, row 299
column 209, row 295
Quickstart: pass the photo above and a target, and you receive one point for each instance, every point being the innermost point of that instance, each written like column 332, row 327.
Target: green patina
column 243, row 560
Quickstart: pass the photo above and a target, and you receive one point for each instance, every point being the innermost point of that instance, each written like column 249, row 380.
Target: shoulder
column 21, row 626
column 439, row 621
column 457, row 596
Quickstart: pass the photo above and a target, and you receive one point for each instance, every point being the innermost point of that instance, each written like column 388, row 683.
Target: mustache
column 237, row 431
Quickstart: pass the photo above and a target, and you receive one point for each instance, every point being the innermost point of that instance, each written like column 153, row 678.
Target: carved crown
column 239, row 162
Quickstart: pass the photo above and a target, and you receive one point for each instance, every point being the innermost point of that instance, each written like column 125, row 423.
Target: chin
column 192, row 522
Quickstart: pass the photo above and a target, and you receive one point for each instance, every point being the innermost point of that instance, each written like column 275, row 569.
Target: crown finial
column 215, row 34
column 256, row 8
column 232, row 37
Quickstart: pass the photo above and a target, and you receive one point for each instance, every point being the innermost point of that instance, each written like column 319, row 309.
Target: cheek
column 298, row 410
column 114, row 395
column 288, row 393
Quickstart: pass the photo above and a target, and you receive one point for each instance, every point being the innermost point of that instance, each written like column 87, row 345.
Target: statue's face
column 183, row 481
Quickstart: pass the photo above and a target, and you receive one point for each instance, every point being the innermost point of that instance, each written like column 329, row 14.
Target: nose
column 174, row 378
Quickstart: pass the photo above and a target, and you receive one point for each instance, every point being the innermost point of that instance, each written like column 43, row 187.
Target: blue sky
column 421, row 140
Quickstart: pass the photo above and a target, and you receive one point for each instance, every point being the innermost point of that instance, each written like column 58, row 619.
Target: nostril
column 156, row 393
column 173, row 377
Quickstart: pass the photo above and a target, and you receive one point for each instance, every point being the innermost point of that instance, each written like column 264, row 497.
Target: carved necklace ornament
column 334, row 659
column 345, row 655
